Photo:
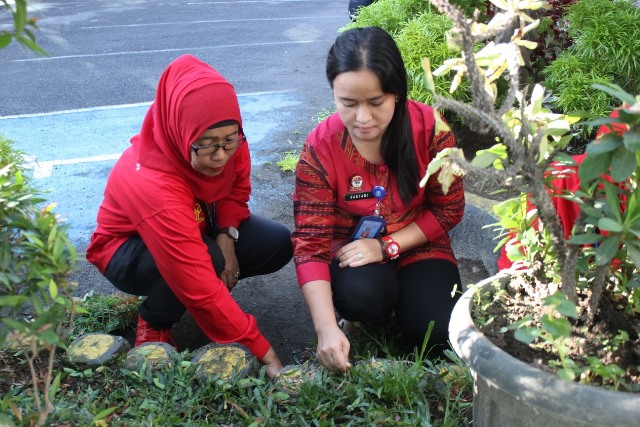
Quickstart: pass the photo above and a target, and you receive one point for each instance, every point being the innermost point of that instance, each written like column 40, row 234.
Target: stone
column 95, row 349
column 378, row 364
column 154, row 354
column 292, row 377
column 224, row 360
column 15, row 341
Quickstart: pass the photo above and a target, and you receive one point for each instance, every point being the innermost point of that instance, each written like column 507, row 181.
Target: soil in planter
column 584, row 342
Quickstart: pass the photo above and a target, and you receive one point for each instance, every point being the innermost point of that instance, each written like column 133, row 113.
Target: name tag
column 358, row 196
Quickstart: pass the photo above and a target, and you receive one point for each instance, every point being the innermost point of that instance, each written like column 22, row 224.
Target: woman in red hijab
column 175, row 226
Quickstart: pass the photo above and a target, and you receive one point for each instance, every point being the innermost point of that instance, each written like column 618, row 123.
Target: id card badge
column 369, row 227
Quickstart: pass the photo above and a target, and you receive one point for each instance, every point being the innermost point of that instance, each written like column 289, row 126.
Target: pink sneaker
column 145, row 333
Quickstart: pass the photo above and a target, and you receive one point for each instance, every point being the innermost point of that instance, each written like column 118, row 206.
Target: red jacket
column 330, row 169
column 153, row 192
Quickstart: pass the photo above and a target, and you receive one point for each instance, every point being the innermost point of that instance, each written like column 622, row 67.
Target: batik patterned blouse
column 332, row 193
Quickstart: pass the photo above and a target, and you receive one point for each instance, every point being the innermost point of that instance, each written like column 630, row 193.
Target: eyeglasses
column 208, row 150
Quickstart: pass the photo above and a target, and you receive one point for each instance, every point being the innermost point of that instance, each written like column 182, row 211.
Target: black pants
column 264, row 247
column 418, row 294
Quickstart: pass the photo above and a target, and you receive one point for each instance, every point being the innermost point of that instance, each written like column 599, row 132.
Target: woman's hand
column 231, row 271
column 272, row 363
column 360, row 252
column 333, row 348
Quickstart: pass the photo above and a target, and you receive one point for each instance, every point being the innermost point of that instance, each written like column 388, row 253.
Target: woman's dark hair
column 372, row 48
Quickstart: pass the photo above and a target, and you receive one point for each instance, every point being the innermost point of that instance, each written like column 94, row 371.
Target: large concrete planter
column 508, row 392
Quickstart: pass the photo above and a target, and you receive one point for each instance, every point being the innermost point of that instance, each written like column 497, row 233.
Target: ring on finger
column 236, row 275
column 359, row 255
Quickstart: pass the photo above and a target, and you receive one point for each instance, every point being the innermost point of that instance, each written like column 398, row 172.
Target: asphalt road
column 104, row 52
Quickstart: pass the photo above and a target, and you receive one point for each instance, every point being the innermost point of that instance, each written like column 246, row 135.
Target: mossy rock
column 384, row 366
column 379, row 364
column 15, row 341
column 225, row 360
column 292, row 377
column 95, row 349
column 154, row 354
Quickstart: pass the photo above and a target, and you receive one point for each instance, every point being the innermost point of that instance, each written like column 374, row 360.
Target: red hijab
column 191, row 97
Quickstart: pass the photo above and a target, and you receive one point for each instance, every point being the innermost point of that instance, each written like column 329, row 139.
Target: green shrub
column 608, row 33
column 571, row 82
column 389, row 15
column 8, row 154
column 552, row 36
column 35, row 295
column 425, row 37
column 35, row 256
column 606, row 49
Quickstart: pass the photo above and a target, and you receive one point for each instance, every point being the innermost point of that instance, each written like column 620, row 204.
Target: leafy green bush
column 35, row 255
column 608, row 32
column 35, row 259
column 606, row 49
column 389, row 15
column 572, row 82
column 8, row 154
column 425, row 37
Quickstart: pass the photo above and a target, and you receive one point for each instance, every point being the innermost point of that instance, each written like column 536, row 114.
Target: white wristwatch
column 230, row 231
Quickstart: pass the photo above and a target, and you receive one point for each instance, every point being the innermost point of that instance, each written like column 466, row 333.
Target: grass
column 289, row 161
column 605, row 49
column 105, row 313
column 380, row 389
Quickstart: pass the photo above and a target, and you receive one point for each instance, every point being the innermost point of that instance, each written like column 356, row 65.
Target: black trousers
column 418, row 294
column 264, row 247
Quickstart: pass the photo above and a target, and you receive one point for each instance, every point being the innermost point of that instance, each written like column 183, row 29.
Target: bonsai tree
column 564, row 277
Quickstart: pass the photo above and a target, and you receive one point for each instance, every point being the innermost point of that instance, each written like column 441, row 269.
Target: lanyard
column 210, row 215
column 379, row 192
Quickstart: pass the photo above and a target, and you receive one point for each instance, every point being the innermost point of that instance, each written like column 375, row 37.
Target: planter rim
column 535, row 386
